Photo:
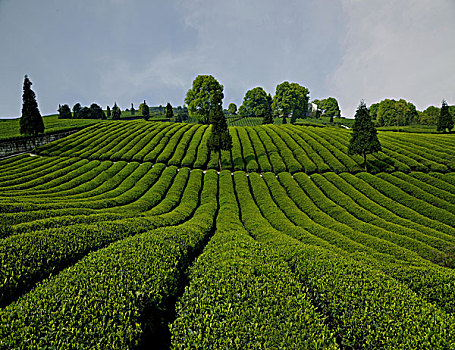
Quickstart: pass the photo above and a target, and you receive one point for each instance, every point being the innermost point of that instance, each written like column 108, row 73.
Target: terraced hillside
column 255, row 149
column 117, row 238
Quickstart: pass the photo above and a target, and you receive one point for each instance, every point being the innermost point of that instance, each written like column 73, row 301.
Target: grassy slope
column 9, row 128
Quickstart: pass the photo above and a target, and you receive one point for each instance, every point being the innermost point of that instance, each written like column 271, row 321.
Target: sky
column 127, row 51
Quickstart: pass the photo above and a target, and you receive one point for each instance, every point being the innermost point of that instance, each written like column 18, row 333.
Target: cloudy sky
column 129, row 50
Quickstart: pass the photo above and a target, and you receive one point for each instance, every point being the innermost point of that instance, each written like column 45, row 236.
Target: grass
column 9, row 128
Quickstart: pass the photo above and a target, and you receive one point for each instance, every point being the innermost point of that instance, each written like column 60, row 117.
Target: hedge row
column 365, row 307
column 114, row 297
column 243, row 295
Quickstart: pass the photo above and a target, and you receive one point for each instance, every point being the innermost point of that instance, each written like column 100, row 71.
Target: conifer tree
column 445, row 121
column 116, row 112
column 145, row 111
column 364, row 139
column 133, row 111
column 220, row 139
column 169, row 111
column 31, row 122
column 108, row 111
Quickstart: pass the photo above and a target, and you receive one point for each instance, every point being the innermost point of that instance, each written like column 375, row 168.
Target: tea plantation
column 125, row 236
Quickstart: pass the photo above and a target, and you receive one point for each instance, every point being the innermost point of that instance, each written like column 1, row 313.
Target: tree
column 232, row 109
column 145, row 110
column 268, row 117
column 64, row 112
column 364, row 139
column 169, row 111
column 445, row 121
column 76, row 110
column 116, row 112
column 96, row 112
column 391, row 112
column 255, row 103
column 108, row 111
column 374, row 111
column 205, row 97
column 84, row 113
column 290, row 99
column 31, row 122
column 133, row 111
column 331, row 108
column 219, row 139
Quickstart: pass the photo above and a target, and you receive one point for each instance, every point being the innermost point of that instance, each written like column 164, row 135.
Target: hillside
column 124, row 235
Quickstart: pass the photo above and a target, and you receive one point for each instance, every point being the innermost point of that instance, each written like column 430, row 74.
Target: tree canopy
column 169, row 111
column 116, row 112
column 205, row 97
column 255, row 103
column 145, row 110
column 364, row 138
column 64, row 112
column 232, row 109
column 31, row 122
column 219, row 139
column 445, row 121
column 391, row 112
column 96, row 112
column 290, row 99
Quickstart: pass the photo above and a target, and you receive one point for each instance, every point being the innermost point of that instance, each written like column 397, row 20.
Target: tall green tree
column 445, row 121
column 116, row 112
column 108, row 111
column 430, row 116
column 290, row 99
column 145, row 110
column 374, row 111
column 205, row 97
column 64, row 112
column 31, row 122
column 219, row 139
column 169, row 111
column 255, row 103
column 133, row 111
column 391, row 112
column 96, row 112
column 76, row 110
column 364, row 138
column 331, row 108
column 232, row 109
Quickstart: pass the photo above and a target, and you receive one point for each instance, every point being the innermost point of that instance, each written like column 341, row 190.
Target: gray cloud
column 397, row 49
column 127, row 51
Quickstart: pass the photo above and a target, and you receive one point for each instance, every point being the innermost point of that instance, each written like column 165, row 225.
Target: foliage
column 364, row 139
column 169, row 111
column 132, row 110
column 374, row 111
column 290, row 99
column 31, row 122
column 145, row 111
column 96, row 112
column 116, row 112
column 204, row 98
column 429, row 116
column 64, row 112
column 232, row 109
column 445, row 121
column 255, row 103
column 220, row 139
column 76, row 110
column 391, row 112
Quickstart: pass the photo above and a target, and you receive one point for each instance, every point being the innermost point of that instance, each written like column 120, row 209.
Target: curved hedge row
column 255, row 149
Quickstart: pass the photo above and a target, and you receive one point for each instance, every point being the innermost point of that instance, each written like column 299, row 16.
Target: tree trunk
column 219, row 160
column 365, row 161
